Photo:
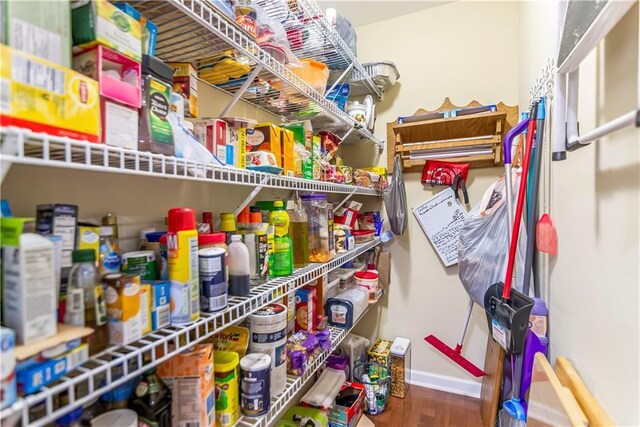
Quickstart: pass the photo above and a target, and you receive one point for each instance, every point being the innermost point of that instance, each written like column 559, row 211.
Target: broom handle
column 506, row 293
column 463, row 332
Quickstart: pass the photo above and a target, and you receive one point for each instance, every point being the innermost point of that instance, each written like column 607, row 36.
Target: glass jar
column 320, row 217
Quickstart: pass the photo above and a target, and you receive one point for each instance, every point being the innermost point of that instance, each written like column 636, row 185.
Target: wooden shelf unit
column 482, row 129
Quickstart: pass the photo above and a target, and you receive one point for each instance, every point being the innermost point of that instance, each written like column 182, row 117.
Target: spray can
column 182, row 254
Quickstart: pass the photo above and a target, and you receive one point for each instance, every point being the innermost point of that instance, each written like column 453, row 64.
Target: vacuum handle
column 506, row 293
column 508, row 139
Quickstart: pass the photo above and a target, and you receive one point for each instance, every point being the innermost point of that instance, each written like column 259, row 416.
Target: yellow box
column 45, row 97
column 145, row 308
column 286, row 148
column 265, row 137
column 123, row 308
column 191, row 378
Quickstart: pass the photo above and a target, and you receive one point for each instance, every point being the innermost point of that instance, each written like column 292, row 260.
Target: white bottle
column 250, row 242
column 239, row 267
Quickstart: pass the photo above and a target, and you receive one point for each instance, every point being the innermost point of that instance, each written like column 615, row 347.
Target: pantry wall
column 594, row 199
column 436, row 61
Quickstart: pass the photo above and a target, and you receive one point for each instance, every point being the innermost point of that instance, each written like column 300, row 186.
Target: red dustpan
column 455, row 354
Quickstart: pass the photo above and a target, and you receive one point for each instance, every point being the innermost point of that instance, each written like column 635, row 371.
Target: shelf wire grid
column 119, row 364
column 193, row 30
column 22, row 146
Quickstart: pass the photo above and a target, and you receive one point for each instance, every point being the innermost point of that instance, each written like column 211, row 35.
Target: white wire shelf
column 21, row 146
column 117, row 365
column 294, row 383
column 190, row 30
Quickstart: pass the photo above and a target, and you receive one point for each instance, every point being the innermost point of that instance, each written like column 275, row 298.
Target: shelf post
column 342, row 76
column 242, row 90
column 251, row 196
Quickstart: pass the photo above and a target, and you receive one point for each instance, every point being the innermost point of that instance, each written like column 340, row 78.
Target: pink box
column 213, row 134
column 118, row 76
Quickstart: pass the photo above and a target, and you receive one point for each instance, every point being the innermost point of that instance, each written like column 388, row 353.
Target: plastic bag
column 189, row 148
column 483, row 244
column 546, row 236
column 436, row 172
column 395, row 200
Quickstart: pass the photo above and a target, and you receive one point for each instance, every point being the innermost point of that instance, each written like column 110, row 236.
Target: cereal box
column 380, row 352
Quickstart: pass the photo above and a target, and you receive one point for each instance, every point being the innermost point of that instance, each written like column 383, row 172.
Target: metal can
column 142, row 263
column 255, row 384
column 214, row 287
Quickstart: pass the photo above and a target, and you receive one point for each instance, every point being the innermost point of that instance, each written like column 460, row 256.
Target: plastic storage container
column 400, row 367
column 313, row 72
column 345, row 309
column 321, row 242
column 355, row 347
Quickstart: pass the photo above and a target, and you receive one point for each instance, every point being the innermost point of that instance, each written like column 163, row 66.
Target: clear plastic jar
column 320, row 217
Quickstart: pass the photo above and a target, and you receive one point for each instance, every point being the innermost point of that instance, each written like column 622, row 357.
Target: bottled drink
column 282, row 253
column 85, row 299
column 239, row 268
column 299, row 232
column 110, row 260
column 152, row 401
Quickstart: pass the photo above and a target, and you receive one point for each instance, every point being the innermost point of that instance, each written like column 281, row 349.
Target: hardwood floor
column 424, row 407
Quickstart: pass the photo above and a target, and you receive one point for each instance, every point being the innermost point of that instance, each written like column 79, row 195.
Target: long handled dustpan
column 507, row 309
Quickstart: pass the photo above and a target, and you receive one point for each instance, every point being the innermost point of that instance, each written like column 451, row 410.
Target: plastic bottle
column 164, row 259
column 85, row 299
column 538, row 318
column 257, row 227
column 207, row 218
column 152, row 401
column 112, row 221
column 282, row 248
column 110, row 259
column 239, row 269
column 228, row 225
column 243, row 220
column 299, row 231
column 270, row 249
column 142, row 245
column 182, row 253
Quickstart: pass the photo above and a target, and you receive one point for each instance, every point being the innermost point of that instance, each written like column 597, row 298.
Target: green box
column 100, row 22
column 41, row 28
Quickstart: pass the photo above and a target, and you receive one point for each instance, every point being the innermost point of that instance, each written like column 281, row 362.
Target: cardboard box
column 119, row 125
column 145, row 308
column 306, row 301
column 160, row 307
column 287, row 152
column 190, row 376
column 380, row 352
column 265, row 137
column 33, row 375
column 45, row 97
column 148, row 30
column 29, row 288
column 185, row 83
column 316, row 157
column 213, row 134
column 154, row 127
column 343, row 416
column 8, row 391
column 123, row 309
column 42, row 29
column 384, row 269
column 118, row 75
column 60, row 220
column 88, row 236
column 100, row 22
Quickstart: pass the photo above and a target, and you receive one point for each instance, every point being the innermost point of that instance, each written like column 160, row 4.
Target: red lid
column 243, row 217
column 181, row 219
column 211, row 239
column 362, row 232
column 207, row 217
column 255, row 217
column 371, row 266
column 163, row 239
column 366, row 275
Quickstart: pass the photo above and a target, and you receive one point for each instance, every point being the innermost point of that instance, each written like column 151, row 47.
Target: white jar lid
column 253, row 362
column 400, row 346
column 119, row 417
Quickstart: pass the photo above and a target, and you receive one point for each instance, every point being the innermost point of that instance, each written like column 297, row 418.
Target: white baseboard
column 445, row 383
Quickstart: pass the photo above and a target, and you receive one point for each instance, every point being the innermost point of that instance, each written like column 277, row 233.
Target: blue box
column 8, row 392
column 33, row 375
column 148, row 28
column 160, row 304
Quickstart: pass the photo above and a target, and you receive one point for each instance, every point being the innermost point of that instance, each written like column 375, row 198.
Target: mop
column 455, row 354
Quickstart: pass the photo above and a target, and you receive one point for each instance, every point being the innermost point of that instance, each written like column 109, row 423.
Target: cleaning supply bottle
column 282, row 247
column 85, row 299
column 299, row 232
column 110, row 259
column 228, row 225
column 257, row 227
column 239, row 269
column 182, row 254
column 270, row 249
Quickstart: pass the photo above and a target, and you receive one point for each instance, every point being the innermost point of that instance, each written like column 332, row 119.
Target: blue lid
column 5, row 208
column 70, row 418
column 541, row 108
column 314, row 197
column 155, row 236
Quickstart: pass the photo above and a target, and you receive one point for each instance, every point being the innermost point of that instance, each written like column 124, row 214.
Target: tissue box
column 45, row 97
column 119, row 125
column 344, row 416
column 102, row 64
column 100, row 22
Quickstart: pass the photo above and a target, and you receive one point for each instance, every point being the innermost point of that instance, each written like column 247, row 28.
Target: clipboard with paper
column 441, row 218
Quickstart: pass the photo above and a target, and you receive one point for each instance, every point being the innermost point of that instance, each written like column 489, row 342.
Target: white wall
column 595, row 204
column 464, row 51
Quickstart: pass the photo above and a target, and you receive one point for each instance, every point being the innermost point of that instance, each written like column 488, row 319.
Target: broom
column 455, row 354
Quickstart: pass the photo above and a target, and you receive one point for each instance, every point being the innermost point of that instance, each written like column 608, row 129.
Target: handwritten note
column 441, row 218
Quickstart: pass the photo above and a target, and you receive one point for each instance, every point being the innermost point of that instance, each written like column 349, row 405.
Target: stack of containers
column 268, row 335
